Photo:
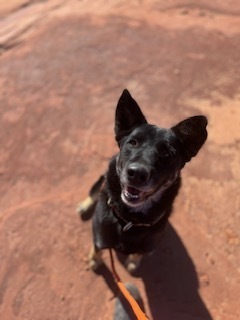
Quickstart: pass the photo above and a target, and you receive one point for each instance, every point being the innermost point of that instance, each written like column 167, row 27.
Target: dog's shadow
column 171, row 282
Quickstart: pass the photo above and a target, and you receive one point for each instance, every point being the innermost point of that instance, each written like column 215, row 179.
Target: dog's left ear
column 192, row 133
column 128, row 116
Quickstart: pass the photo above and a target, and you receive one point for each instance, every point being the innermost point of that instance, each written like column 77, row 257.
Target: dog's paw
column 133, row 262
column 132, row 267
column 95, row 259
column 85, row 209
column 95, row 264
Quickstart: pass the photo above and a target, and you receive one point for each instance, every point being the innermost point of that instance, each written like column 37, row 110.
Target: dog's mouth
column 134, row 197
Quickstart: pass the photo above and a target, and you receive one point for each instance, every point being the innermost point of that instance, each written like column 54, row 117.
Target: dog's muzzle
column 134, row 181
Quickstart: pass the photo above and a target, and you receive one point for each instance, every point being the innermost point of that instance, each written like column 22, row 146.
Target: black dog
column 142, row 181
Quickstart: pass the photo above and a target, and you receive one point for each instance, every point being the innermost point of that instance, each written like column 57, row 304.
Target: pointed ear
column 128, row 115
column 192, row 133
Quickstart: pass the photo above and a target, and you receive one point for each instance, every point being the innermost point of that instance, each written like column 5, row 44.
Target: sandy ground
column 63, row 65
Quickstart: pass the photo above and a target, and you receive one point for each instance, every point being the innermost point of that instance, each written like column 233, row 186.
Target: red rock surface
column 63, row 65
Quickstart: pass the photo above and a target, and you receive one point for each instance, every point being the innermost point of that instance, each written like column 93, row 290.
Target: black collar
column 130, row 224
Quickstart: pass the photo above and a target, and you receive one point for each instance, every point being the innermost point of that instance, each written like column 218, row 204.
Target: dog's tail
column 86, row 208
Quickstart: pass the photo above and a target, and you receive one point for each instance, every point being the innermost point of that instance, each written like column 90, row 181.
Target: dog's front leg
column 95, row 258
column 133, row 262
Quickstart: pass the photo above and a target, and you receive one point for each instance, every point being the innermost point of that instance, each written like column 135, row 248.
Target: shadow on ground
column 170, row 280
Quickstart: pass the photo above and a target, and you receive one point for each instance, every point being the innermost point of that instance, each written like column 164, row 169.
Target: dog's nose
column 137, row 174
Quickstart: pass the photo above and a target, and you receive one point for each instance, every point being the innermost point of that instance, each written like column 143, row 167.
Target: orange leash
column 133, row 303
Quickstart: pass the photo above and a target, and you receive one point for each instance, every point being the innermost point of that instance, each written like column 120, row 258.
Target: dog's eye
column 166, row 155
column 133, row 142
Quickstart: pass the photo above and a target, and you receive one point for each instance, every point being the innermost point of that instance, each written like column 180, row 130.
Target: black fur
column 143, row 179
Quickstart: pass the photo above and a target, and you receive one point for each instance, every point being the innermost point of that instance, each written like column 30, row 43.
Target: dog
column 133, row 201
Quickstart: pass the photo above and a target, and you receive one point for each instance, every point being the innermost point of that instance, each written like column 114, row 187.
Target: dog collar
column 130, row 224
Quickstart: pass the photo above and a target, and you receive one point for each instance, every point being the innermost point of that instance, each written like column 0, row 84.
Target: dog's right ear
column 192, row 134
column 128, row 116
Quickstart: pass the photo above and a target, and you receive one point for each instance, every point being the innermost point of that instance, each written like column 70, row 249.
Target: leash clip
column 128, row 226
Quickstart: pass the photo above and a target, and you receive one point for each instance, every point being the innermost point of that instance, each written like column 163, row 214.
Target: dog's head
column 150, row 158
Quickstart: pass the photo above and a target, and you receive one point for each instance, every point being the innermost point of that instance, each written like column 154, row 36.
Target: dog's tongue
column 133, row 191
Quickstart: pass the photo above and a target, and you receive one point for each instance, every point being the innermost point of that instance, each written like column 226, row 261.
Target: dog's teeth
column 133, row 196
